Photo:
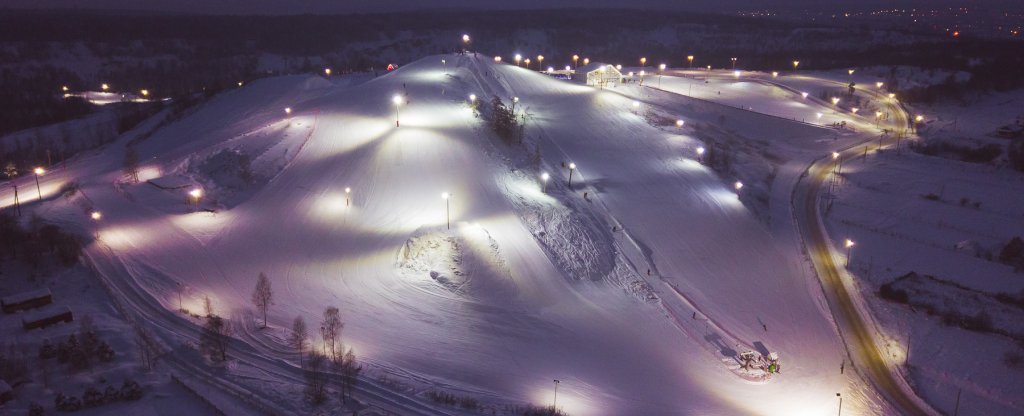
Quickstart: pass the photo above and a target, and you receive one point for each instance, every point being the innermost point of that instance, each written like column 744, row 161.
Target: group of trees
column 504, row 121
column 321, row 366
column 332, row 363
column 80, row 350
column 39, row 240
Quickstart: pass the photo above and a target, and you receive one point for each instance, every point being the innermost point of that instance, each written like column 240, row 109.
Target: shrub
column 890, row 293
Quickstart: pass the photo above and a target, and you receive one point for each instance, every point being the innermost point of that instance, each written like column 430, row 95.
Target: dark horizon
column 328, row 7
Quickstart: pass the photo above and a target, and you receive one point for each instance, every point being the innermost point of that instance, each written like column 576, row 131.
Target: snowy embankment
column 638, row 295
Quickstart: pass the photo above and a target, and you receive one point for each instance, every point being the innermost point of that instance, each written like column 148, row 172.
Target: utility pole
column 17, row 203
column 956, row 409
column 554, row 403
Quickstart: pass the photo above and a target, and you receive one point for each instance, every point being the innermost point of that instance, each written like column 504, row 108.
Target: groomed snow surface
column 525, row 287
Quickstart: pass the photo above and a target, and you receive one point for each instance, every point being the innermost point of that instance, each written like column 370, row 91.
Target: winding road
column 861, row 346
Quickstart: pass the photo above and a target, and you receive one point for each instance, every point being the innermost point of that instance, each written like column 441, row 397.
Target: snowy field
column 947, row 219
column 636, row 288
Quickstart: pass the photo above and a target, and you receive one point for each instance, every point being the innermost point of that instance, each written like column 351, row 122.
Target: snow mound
column 465, row 262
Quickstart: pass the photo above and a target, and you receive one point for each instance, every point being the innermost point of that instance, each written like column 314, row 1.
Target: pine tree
column 214, row 338
column 263, row 296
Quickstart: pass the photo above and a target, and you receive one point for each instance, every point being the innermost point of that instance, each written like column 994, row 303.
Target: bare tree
column 331, row 327
column 316, row 378
column 298, row 336
column 349, row 370
column 214, row 339
column 207, row 306
column 263, row 296
column 131, row 163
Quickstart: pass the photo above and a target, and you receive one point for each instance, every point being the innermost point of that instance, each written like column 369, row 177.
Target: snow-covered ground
column 636, row 288
column 947, row 219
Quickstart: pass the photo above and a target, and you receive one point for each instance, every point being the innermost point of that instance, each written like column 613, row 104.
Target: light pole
column 879, row 84
column 643, row 61
column 444, row 63
column 689, row 60
column 39, row 172
column 733, row 63
column 680, row 123
column 738, row 185
column 327, row 71
column 849, row 250
column 348, row 193
column 586, row 61
column 840, row 404
column 465, row 43
column 572, row 168
column 850, row 72
column 196, row 194
column 661, row 68
column 518, row 58
column 917, row 120
column 527, row 62
column 540, row 62
column 878, row 118
column 700, row 154
column 397, row 99
column 447, row 208
column 554, row 403
column 544, row 178
column 17, row 203
column 104, row 87
column 96, row 216
column 287, row 111
column 575, row 61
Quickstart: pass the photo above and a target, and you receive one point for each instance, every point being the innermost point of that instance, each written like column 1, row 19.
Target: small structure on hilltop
column 600, row 75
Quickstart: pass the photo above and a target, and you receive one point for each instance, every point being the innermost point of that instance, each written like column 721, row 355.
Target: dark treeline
column 181, row 55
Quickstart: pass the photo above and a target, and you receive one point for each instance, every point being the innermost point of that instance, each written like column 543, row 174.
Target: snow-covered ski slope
column 526, row 287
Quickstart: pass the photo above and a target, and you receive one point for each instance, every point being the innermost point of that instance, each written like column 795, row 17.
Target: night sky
column 350, row 6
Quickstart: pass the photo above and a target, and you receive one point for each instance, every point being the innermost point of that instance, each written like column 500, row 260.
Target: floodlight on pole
column 849, row 71
column 472, row 98
column 586, row 61
column 105, row 87
column 39, row 171
column 554, row 403
column 348, row 194
column 447, row 208
column 527, row 62
column 497, row 59
column 444, row 63
column 679, row 123
column 879, row 84
column 96, row 215
column 288, row 111
column 835, row 100
column 803, row 94
column 818, row 115
column 397, row 100
column 195, row 195
column 575, row 60
column 700, row 154
column 849, row 250
column 662, row 67
column 738, row 185
column 854, row 110
column 144, row 92
column 775, row 74
column 689, row 60
column 795, row 64
column 733, row 63
column 64, row 88
column 544, row 177
column 327, row 71
column 643, row 61
column 540, row 61
column 572, row 168
column 518, row 58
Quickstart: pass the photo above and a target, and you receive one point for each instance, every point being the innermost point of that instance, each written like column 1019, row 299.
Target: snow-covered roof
column 25, row 296
column 593, row 66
